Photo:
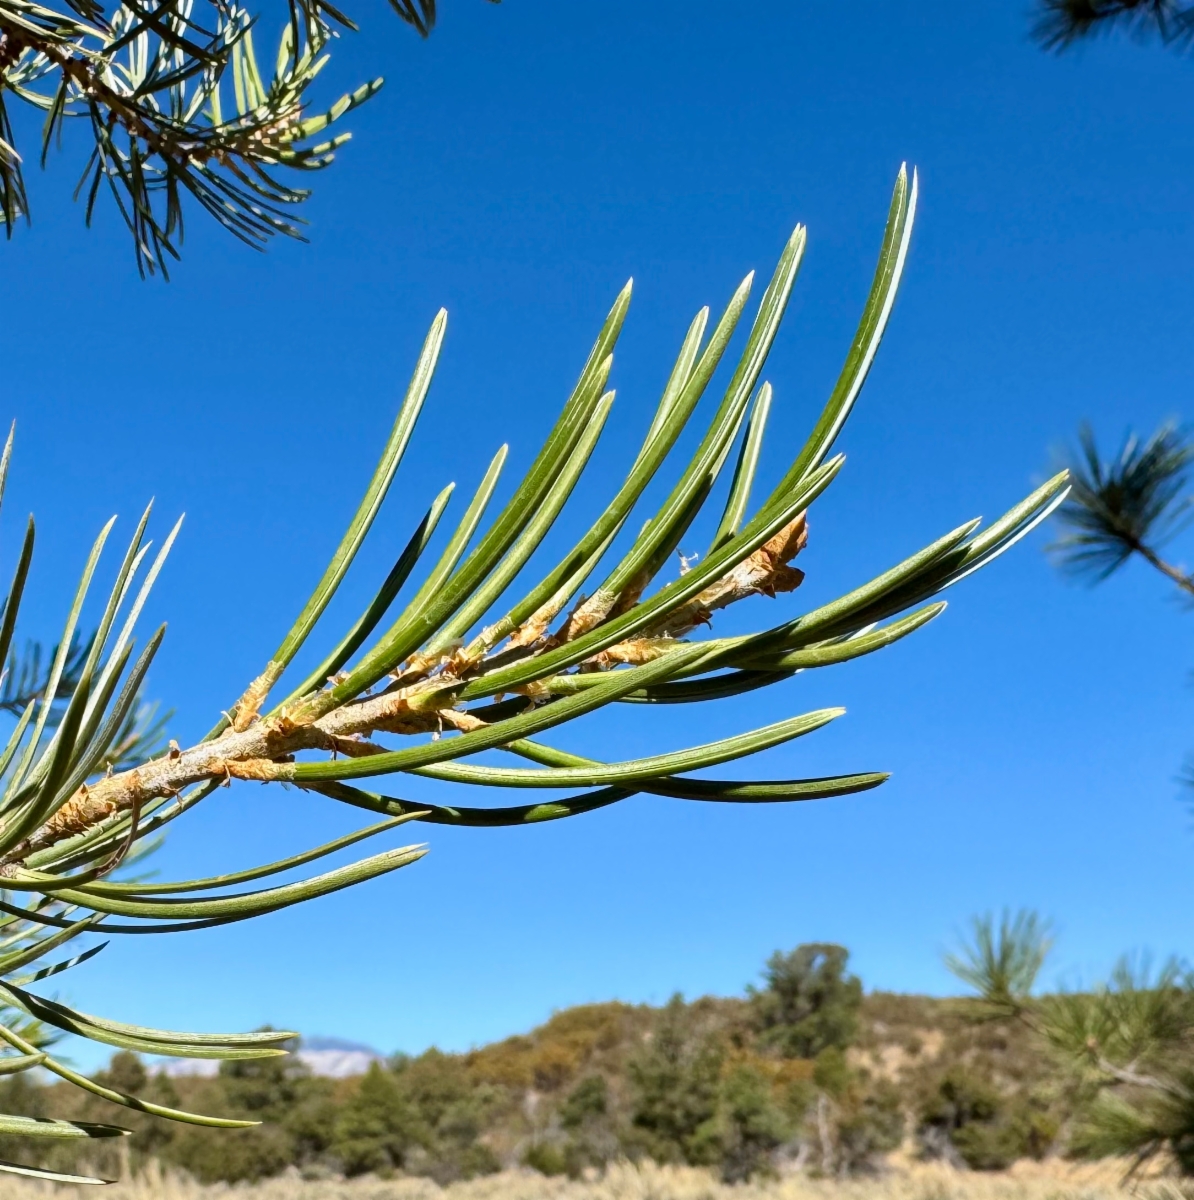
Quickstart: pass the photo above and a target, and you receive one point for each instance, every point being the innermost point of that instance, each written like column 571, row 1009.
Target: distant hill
column 805, row 1072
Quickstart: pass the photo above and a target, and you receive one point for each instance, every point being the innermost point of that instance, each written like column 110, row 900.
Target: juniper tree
column 476, row 658
column 809, row 1003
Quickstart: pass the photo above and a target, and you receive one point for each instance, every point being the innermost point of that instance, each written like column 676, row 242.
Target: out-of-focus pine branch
column 27, row 676
column 1126, row 1046
column 27, row 679
column 1128, row 505
column 1062, row 23
column 1001, row 961
column 177, row 103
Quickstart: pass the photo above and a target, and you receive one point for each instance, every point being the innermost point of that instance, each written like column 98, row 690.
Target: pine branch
column 150, row 81
column 26, row 678
column 466, row 664
column 1062, row 23
column 1002, row 962
column 1129, row 505
column 1124, row 1046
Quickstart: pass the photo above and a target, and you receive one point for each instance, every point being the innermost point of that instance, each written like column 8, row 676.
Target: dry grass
column 1027, row 1181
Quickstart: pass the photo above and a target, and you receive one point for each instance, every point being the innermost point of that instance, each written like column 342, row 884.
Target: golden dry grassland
column 625, row 1181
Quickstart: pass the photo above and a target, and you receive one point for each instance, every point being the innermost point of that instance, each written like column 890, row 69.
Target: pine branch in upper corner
column 178, row 104
column 1062, row 23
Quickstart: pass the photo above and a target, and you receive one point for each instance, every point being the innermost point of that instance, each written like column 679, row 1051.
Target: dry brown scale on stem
column 256, row 749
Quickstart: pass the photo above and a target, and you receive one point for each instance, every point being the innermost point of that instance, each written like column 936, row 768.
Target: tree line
column 804, row 1071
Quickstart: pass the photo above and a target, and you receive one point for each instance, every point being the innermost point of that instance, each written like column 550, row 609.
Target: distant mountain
column 335, row 1058
column 185, row 1068
column 335, row 1043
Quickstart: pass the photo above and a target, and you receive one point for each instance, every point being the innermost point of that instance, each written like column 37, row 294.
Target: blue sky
column 517, row 168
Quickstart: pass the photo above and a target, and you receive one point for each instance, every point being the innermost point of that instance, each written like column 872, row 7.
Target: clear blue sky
column 516, row 169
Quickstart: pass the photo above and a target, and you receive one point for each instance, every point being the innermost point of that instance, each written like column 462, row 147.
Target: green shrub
column 870, row 1123
column 988, row 1129
column 547, row 1158
column 233, row 1155
column 588, row 1117
column 375, row 1126
column 587, row 1102
column 675, row 1080
column 448, row 1111
column 749, row 1126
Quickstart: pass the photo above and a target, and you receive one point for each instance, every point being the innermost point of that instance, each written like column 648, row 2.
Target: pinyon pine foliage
column 461, row 668
column 1062, row 23
column 1125, row 1047
column 177, row 102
